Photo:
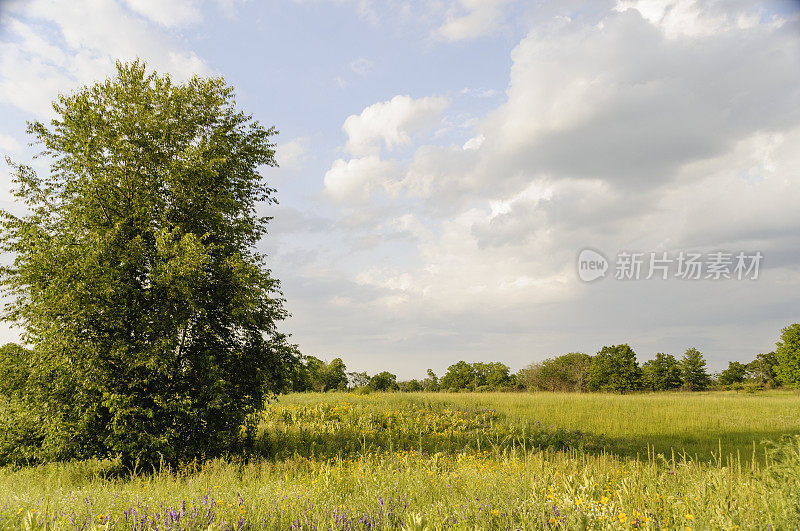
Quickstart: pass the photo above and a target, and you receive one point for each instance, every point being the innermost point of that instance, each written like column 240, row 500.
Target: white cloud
column 474, row 142
column 584, row 101
column 685, row 18
column 289, row 154
column 391, row 122
column 354, row 180
column 167, row 13
column 624, row 130
column 9, row 143
column 60, row 46
column 472, row 18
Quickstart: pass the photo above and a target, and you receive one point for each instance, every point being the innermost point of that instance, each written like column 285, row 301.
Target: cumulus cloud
column 584, row 102
column 354, row 180
column 474, row 142
column 289, row 154
column 391, row 123
column 649, row 126
column 51, row 47
column 686, row 18
column 468, row 19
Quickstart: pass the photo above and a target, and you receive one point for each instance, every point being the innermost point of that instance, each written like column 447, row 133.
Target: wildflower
column 689, row 516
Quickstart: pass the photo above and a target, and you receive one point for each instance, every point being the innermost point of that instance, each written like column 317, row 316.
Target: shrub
column 564, row 373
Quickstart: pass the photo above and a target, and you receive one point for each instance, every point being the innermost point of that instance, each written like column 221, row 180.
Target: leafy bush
column 566, row 373
column 21, row 432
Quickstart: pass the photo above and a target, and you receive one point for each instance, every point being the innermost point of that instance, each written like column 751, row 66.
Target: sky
column 444, row 163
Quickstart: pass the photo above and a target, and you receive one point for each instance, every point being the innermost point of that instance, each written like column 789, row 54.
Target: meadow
column 455, row 461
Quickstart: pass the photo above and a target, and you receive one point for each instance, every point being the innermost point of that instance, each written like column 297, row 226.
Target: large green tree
column 151, row 318
column 492, row 375
column 661, row 373
column 614, row 369
column 693, row 371
column 734, row 374
column 762, row 369
column 788, row 356
column 431, row 383
column 460, row 375
column 383, row 381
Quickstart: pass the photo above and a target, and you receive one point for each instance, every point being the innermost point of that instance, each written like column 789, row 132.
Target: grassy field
column 460, row 461
column 697, row 423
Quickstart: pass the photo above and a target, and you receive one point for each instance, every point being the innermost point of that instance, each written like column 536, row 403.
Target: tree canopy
column 661, row 373
column 788, row 356
column 150, row 316
column 614, row 369
column 693, row 371
column 475, row 376
column 383, row 381
column 734, row 374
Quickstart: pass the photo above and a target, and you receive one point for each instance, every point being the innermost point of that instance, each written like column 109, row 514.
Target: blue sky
column 443, row 163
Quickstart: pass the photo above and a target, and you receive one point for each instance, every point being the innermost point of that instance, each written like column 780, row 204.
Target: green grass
column 697, row 423
column 463, row 461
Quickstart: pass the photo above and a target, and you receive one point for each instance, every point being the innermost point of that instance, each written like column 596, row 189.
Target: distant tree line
column 612, row 369
column 312, row 374
column 615, row 369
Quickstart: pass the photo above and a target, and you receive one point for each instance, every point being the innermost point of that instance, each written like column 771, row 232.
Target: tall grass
column 694, row 423
column 422, row 461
